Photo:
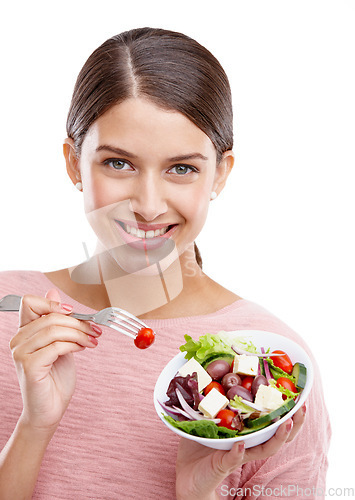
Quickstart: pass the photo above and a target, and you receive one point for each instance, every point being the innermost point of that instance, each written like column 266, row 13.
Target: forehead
column 138, row 125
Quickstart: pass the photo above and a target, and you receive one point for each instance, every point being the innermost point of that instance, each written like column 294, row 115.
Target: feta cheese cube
column 246, row 365
column 213, row 403
column 203, row 378
column 268, row 397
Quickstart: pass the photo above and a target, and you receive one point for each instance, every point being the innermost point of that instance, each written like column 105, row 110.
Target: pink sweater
column 111, row 445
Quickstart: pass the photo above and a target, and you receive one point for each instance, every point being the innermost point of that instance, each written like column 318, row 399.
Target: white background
column 281, row 233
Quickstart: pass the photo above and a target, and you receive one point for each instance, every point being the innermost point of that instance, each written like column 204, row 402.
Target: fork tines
column 126, row 324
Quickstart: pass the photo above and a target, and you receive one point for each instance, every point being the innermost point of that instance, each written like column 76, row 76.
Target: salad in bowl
column 233, row 386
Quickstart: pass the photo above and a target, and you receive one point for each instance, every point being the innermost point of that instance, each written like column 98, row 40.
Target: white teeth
column 163, row 231
column 139, row 233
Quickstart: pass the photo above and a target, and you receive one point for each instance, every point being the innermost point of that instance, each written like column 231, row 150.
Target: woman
column 149, row 145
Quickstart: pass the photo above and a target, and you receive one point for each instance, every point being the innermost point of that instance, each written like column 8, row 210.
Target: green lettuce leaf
column 206, row 345
column 238, row 341
column 239, row 405
column 211, row 345
column 277, row 372
column 202, row 428
column 287, row 392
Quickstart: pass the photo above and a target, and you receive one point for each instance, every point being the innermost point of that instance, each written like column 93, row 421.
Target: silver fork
column 113, row 317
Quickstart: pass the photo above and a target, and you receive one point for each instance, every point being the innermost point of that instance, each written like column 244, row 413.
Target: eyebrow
column 122, row 152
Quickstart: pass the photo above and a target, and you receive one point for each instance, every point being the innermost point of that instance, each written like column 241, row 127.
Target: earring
column 213, row 195
column 79, row 186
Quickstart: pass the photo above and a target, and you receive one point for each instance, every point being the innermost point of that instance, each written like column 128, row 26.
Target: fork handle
column 85, row 317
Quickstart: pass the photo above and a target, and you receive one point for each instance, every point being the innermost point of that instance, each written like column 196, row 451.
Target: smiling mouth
column 141, row 233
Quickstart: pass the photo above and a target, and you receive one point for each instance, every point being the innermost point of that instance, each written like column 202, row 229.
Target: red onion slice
column 266, row 367
column 253, row 405
column 174, row 410
column 182, row 412
column 238, row 350
column 193, row 414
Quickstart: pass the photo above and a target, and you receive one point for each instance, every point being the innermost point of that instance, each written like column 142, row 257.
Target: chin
column 148, row 262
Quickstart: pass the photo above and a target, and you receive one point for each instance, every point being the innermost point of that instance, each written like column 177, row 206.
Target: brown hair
column 168, row 68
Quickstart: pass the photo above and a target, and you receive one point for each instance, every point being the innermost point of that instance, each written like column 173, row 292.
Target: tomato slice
column 227, row 419
column 144, row 338
column 286, row 383
column 247, row 382
column 214, row 385
column 282, row 362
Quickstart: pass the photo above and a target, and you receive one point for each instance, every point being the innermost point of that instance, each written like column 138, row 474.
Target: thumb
column 232, row 459
column 33, row 307
column 53, row 294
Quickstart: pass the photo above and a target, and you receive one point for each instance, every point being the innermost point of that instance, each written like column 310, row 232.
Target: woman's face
column 147, row 177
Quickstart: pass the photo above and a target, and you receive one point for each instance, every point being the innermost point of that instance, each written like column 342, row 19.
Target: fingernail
column 289, row 425
column 241, row 447
column 96, row 329
column 93, row 340
column 304, row 408
column 67, row 307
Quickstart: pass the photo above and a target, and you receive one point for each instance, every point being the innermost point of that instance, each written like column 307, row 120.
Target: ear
column 71, row 160
column 223, row 169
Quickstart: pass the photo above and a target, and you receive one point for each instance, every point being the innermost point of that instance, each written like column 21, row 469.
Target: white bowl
column 260, row 339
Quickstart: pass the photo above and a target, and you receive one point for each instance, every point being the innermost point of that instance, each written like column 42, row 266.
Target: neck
column 152, row 291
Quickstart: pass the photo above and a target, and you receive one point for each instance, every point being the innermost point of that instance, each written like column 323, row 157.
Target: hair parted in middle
column 169, row 68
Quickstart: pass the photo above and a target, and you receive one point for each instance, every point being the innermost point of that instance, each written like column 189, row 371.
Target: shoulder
column 245, row 314
column 20, row 282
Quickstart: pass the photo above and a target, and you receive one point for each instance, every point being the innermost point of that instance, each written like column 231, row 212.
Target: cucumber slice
column 227, row 357
column 267, row 419
column 248, row 430
column 300, row 373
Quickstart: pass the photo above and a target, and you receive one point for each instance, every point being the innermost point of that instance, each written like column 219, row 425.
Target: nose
column 148, row 198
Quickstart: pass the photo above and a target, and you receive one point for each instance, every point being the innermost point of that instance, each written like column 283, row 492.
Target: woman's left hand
column 200, row 470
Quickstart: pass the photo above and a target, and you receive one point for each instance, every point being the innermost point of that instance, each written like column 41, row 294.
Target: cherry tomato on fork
column 145, row 338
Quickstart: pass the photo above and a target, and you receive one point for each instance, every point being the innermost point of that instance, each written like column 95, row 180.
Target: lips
column 144, row 236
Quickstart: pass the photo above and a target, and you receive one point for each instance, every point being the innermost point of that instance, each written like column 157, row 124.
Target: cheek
column 103, row 202
column 100, row 192
column 194, row 208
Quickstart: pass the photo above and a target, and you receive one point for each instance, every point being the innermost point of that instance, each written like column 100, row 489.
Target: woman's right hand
column 43, row 351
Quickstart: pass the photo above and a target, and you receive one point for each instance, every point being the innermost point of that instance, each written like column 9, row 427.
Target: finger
column 51, row 335
column 48, row 355
column 33, row 307
column 233, row 458
column 298, row 420
column 50, row 321
column 271, row 446
column 223, row 464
